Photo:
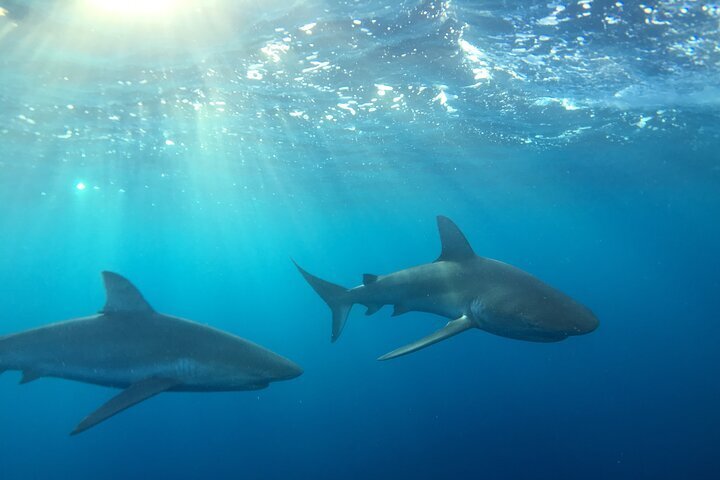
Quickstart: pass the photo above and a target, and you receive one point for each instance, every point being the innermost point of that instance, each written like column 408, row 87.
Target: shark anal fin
column 399, row 309
column 28, row 376
column 132, row 395
column 455, row 246
column 372, row 308
column 369, row 278
column 452, row 328
column 123, row 296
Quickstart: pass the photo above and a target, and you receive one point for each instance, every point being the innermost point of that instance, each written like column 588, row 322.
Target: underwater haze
column 197, row 146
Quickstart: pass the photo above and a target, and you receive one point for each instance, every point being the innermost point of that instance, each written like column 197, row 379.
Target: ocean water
column 196, row 147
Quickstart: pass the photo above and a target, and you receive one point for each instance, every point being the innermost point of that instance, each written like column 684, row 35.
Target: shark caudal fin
column 336, row 298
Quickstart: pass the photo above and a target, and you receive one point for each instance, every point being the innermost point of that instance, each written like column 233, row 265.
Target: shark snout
column 287, row 370
column 586, row 322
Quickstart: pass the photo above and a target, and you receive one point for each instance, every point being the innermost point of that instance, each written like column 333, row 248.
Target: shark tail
column 336, row 298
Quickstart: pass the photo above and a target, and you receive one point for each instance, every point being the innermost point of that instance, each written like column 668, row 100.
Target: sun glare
column 135, row 7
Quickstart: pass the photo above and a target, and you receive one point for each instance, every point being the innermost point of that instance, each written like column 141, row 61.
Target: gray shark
column 129, row 345
column 471, row 291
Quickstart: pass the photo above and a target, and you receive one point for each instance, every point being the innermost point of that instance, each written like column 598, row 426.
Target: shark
column 130, row 346
column 473, row 292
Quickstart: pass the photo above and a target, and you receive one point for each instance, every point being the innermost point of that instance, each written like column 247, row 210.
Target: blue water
column 198, row 148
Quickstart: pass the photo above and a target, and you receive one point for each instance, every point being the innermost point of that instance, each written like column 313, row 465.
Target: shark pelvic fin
column 452, row 328
column 399, row 309
column 28, row 376
column 123, row 296
column 455, row 246
column 369, row 278
column 132, row 395
column 372, row 308
column 336, row 298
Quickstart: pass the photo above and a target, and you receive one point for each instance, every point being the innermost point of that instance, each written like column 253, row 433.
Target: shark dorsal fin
column 122, row 296
column 455, row 246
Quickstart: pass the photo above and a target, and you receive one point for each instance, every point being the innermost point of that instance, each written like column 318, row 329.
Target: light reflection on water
column 305, row 72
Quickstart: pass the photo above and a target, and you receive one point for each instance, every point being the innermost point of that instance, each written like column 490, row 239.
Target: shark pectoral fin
column 29, row 376
column 452, row 328
column 132, row 395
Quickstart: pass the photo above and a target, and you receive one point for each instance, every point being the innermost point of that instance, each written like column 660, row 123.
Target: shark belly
column 124, row 367
column 96, row 369
column 104, row 376
column 510, row 326
column 432, row 288
column 509, row 330
column 97, row 356
column 446, row 304
column 121, row 372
